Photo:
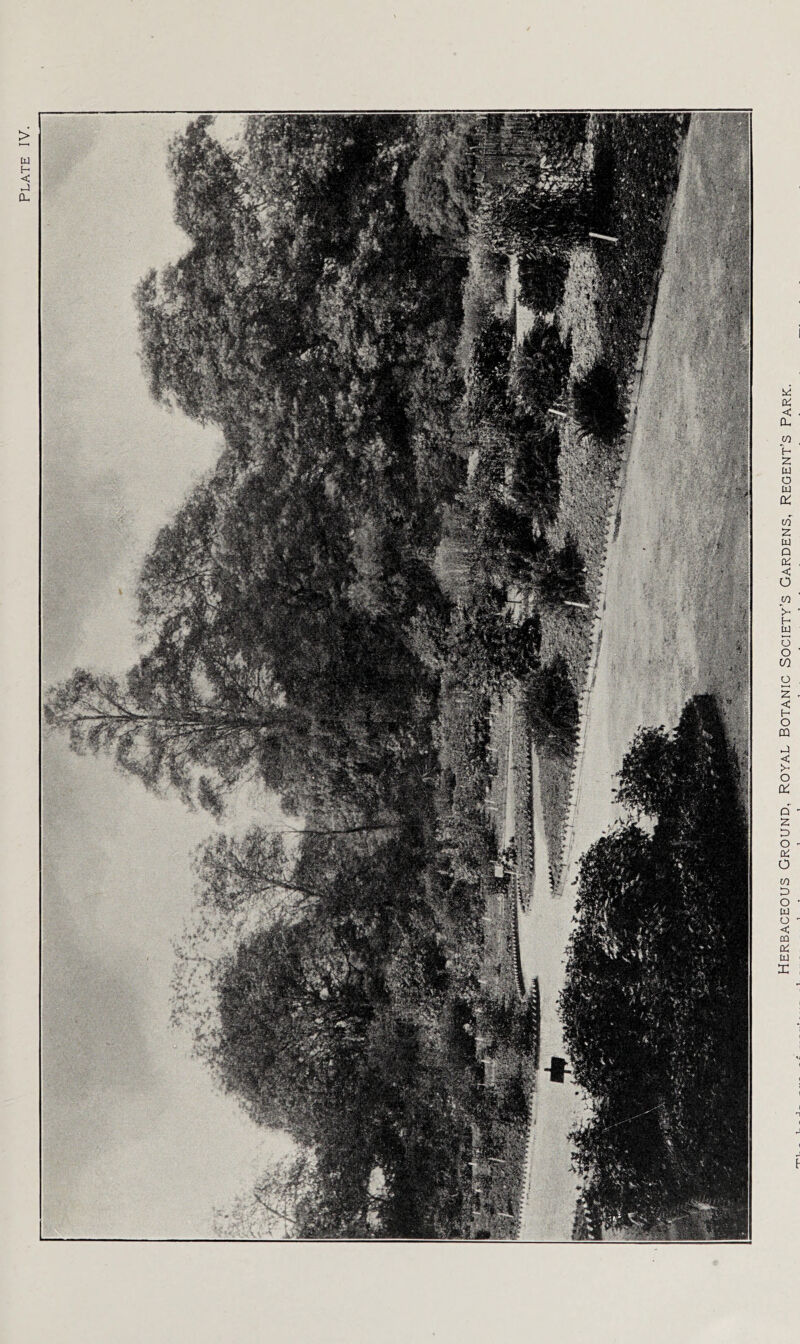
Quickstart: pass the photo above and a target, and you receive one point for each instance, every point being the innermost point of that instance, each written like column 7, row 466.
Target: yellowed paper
column 147, row 57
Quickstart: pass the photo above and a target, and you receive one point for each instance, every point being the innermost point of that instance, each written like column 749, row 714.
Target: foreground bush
column 597, row 405
column 655, row 1001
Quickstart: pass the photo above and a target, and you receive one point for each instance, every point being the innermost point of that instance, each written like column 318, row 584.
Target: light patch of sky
column 136, row 1141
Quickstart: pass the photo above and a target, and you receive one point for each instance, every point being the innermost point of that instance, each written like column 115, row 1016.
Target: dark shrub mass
column 542, row 367
column 488, row 373
column 551, row 708
column 561, row 575
column 541, row 281
column 597, row 405
column 655, row 1002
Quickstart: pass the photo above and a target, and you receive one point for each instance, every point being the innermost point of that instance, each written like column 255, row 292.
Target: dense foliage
column 294, row 635
column 542, row 367
column 542, row 281
column 655, row 1003
column 551, row 708
column 597, row 405
column 326, row 617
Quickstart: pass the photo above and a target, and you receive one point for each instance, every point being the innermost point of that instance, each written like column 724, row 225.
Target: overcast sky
column 136, row 1142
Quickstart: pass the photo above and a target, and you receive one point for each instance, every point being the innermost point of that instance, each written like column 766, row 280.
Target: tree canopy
column 654, row 1003
column 293, row 633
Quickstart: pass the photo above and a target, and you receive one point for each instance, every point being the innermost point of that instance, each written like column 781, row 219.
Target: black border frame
column 345, row 112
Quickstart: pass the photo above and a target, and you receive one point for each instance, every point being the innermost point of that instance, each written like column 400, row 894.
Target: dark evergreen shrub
column 542, row 367
column 542, row 278
column 562, row 574
column 551, row 708
column 488, row 373
column 597, row 405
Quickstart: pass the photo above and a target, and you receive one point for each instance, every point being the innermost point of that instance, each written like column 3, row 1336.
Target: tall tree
column 293, row 1009
column 174, row 732
column 238, row 873
column 208, row 189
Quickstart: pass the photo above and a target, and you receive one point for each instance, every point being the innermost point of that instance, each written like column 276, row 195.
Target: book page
column 399, row 429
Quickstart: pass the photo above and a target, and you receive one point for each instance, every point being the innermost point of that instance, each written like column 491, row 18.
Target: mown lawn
column 606, row 299
column 639, row 156
column 676, row 618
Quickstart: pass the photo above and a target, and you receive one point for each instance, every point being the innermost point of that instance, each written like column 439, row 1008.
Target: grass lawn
column 605, row 302
column 676, row 614
column 602, row 279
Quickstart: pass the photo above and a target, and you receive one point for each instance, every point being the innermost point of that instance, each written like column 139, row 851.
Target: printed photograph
column 395, row 674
